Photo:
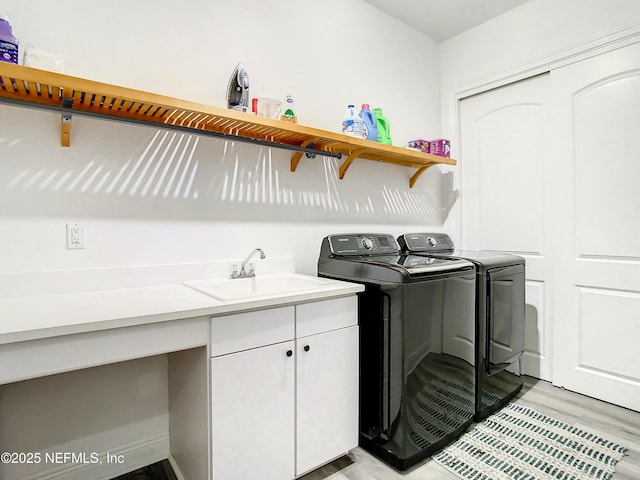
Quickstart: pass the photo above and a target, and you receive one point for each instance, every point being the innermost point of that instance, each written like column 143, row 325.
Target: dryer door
column 505, row 318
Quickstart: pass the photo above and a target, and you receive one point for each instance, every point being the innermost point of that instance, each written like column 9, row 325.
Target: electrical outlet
column 75, row 236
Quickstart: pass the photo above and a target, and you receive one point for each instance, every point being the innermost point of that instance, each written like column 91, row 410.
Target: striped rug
column 518, row 443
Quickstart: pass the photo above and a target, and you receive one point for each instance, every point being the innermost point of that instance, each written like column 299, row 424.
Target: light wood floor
column 614, row 423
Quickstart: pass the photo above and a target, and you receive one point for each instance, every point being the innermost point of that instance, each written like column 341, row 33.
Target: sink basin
column 232, row 289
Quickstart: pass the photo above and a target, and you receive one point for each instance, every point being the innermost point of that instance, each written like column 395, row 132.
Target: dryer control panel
column 426, row 242
column 363, row 244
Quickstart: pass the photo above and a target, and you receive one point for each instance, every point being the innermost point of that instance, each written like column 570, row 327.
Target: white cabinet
column 327, row 397
column 253, row 422
column 284, row 404
column 252, row 394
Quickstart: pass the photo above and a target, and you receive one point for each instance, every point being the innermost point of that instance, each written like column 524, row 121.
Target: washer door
column 505, row 318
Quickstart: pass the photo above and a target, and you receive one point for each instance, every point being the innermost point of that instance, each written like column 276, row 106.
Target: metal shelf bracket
column 65, row 125
column 65, row 129
column 295, row 158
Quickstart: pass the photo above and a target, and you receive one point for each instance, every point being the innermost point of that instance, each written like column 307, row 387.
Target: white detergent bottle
column 352, row 123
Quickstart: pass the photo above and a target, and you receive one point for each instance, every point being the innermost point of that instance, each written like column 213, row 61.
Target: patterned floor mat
column 519, row 443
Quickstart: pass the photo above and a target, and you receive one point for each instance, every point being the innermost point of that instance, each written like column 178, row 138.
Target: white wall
column 526, row 36
column 150, row 197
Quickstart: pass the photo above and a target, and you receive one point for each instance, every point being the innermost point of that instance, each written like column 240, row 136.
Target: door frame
column 618, row 38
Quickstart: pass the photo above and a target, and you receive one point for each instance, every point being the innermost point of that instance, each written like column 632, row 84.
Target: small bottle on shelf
column 384, row 135
column 8, row 42
column 288, row 113
column 352, row 123
column 370, row 122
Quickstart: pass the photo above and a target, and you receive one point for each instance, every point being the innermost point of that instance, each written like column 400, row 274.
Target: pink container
column 423, row 145
column 441, row 147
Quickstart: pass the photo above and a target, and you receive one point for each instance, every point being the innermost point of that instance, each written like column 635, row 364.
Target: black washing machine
column 417, row 377
column 500, row 316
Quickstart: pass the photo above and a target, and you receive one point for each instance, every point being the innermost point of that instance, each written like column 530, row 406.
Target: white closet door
column 504, row 195
column 596, row 172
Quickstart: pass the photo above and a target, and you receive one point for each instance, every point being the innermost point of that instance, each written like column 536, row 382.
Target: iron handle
column 307, row 348
column 289, row 353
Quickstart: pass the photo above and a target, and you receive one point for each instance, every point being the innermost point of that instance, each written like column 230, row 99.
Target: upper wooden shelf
column 25, row 86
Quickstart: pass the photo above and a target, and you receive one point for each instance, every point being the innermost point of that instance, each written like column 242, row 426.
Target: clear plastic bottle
column 288, row 113
column 352, row 123
column 8, row 43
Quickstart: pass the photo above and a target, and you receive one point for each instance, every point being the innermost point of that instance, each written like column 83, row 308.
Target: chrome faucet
column 243, row 273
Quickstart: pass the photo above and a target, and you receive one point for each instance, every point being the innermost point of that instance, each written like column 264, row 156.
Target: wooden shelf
column 25, row 86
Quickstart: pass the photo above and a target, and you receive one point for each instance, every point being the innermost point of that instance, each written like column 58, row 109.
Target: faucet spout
column 242, row 273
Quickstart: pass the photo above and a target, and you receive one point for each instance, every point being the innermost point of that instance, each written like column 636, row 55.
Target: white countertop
column 32, row 317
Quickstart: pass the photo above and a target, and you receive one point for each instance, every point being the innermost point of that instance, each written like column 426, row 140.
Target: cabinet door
column 253, row 413
column 327, row 397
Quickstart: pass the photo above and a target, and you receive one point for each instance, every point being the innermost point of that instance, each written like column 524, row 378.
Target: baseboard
column 96, row 466
column 175, row 467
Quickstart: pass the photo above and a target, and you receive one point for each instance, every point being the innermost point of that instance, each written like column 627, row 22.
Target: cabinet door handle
column 289, row 353
column 307, row 348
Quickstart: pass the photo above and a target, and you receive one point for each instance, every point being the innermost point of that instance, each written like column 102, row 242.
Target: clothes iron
column 238, row 90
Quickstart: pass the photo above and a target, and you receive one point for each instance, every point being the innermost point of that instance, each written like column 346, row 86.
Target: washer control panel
column 363, row 244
